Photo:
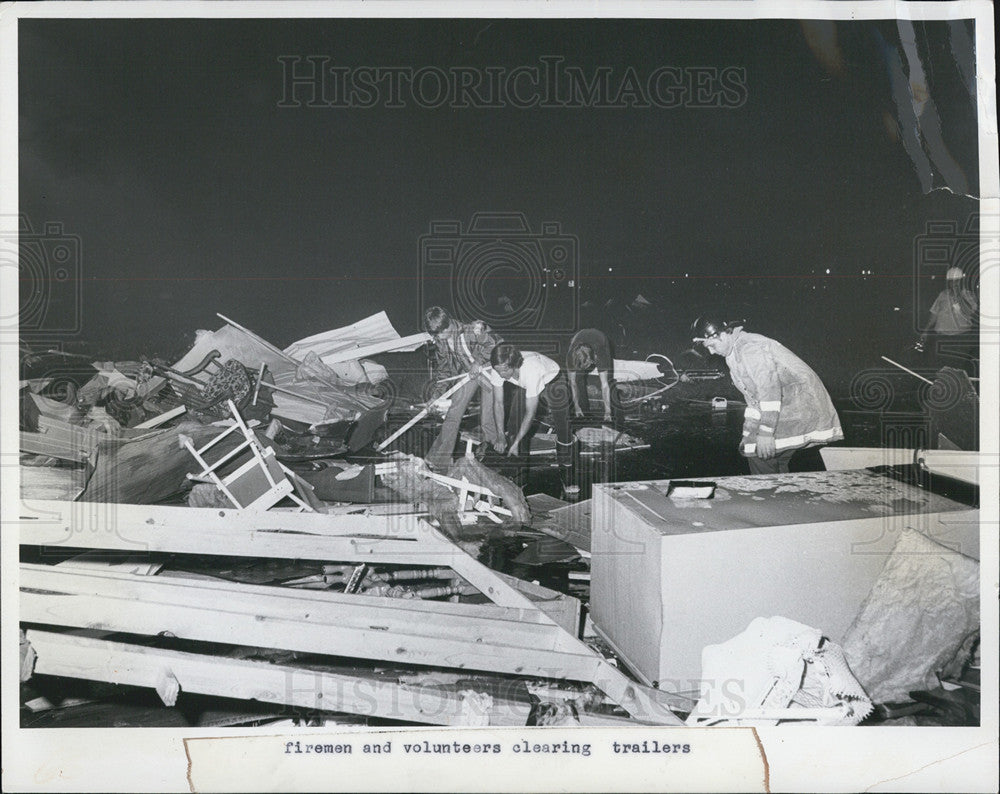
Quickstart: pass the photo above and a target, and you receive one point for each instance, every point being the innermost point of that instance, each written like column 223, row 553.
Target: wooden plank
column 190, row 589
column 51, row 482
column 563, row 609
column 75, row 656
column 291, row 535
column 61, row 440
column 166, row 416
column 422, row 413
column 159, row 520
column 48, row 522
column 297, row 621
column 489, row 583
column 188, row 530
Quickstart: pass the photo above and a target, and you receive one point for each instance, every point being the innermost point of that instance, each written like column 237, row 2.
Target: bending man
column 788, row 408
column 589, row 350
column 538, row 375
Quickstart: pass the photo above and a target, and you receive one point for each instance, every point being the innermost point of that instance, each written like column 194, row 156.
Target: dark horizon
column 164, row 147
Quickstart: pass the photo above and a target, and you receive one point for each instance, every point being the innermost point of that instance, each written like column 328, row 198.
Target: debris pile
column 240, row 516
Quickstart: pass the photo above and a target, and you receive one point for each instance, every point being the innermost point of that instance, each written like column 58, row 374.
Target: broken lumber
column 454, row 388
column 77, row 656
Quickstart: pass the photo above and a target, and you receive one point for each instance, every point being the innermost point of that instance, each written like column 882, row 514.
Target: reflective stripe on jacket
column 784, row 396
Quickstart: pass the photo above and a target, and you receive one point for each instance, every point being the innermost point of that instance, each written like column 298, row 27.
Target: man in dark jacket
column 589, row 349
column 463, row 348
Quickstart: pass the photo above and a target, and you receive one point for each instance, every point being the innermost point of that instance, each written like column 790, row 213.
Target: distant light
column 828, row 271
column 685, row 275
column 610, row 269
column 895, row 308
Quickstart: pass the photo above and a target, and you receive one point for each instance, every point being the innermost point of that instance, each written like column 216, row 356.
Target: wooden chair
column 260, row 483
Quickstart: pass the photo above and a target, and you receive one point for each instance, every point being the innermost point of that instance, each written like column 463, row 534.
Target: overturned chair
column 260, row 483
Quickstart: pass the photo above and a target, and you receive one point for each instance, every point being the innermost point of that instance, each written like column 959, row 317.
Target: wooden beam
column 285, row 602
column 402, row 539
column 187, row 530
column 423, row 412
column 62, row 440
column 74, row 656
column 63, row 519
column 309, row 621
column 563, row 609
column 51, row 482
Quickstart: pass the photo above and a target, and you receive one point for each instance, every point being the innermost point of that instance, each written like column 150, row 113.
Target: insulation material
column 328, row 346
column 346, row 373
column 408, row 484
column 778, row 670
column 922, row 607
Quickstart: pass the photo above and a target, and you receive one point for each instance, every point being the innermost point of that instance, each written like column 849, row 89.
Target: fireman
column 788, row 408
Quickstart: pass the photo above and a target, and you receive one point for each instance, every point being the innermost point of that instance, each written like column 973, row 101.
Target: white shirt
column 534, row 374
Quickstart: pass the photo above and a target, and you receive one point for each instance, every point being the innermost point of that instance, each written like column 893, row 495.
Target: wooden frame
column 513, row 634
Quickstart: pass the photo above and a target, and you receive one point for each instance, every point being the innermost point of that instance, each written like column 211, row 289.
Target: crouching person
column 590, row 349
column 788, row 408
column 463, row 348
column 542, row 381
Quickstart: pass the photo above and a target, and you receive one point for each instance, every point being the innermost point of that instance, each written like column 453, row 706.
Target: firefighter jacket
column 784, row 396
column 463, row 344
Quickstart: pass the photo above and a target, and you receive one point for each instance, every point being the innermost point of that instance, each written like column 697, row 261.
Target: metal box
column 670, row 576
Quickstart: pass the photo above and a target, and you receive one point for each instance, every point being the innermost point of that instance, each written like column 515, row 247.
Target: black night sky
column 162, row 145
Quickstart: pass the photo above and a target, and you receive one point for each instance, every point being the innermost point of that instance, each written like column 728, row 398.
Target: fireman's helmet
column 708, row 327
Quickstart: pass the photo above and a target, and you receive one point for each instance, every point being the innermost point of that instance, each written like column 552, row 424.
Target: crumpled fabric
column 778, row 670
